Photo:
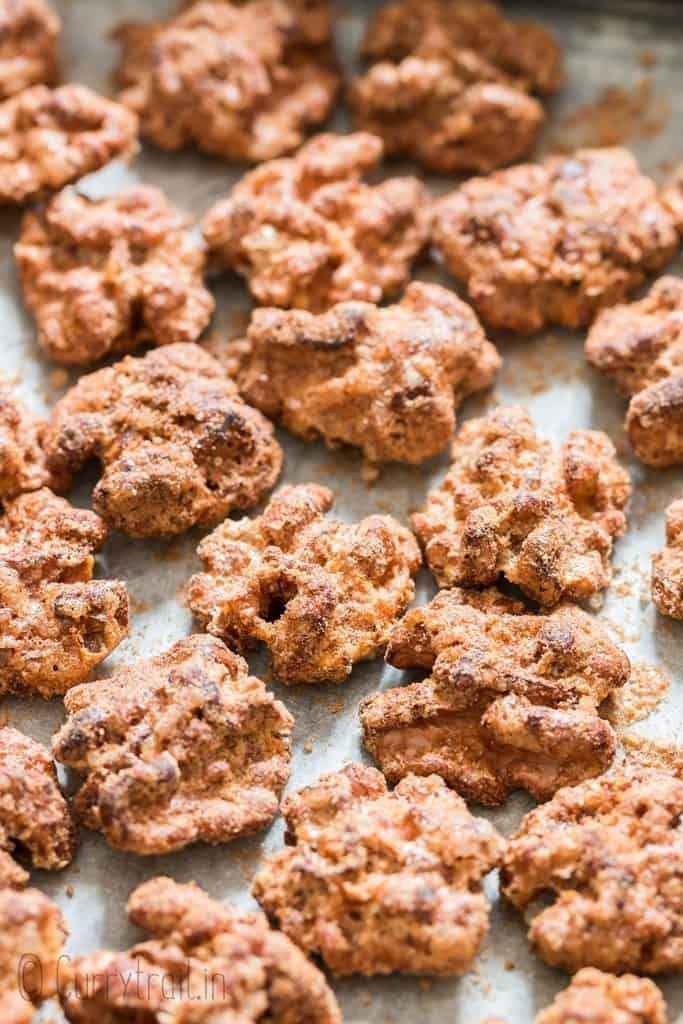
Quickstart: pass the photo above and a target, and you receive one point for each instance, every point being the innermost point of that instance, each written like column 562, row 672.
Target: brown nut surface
column 598, row 998
column 177, row 444
column 52, row 137
column 56, row 621
column 103, row 276
column 513, row 505
column 667, row 566
column 310, row 20
column 512, row 700
column 611, row 852
column 246, row 82
column 206, row 961
column 307, row 233
column 321, row 594
column 29, row 45
column 377, row 882
column 553, row 243
column 22, row 459
column 386, row 380
column 177, row 749
column 32, row 934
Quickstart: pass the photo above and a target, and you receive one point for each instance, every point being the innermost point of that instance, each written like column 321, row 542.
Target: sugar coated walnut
column 598, row 998
column 555, row 242
column 177, row 444
column 307, row 233
column 50, row 138
column 321, row 594
column 32, row 934
column 103, row 276
column 22, row 459
column 387, row 380
column 667, row 566
column 204, row 961
column 512, row 700
column 245, row 82
column 56, row 621
column 376, row 882
column 513, row 505
column 611, row 852
column 29, row 45
column 180, row 748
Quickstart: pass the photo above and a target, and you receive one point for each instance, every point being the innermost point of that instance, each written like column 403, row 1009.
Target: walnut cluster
column 307, row 233
column 598, row 998
column 667, row 566
column 29, row 45
column 22, row 459
column 321, row 594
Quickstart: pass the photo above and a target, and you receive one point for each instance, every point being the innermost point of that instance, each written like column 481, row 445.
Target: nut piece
column 307, row 232
column 177, row 749
column 32, row 934
column 513, row 505
column 640, row 345
column 241, row 81
column 178, row 445
column 22, row 460
column 597, row 998
column 205, row 961
column 377, row 882
column 512, row 700
column 667, row 566
column 29, row 45
column 611, row 849
column 387, row 380
column 56, row 622
column 554, row 243
column 319, row 593
column 52, row 137
column 103, row 276
column 310, row 20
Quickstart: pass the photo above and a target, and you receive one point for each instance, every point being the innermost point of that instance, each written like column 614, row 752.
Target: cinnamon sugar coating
column 32, row 934
column 29, row 45
column 598, row 998
column 667, row 566
column 22, row 459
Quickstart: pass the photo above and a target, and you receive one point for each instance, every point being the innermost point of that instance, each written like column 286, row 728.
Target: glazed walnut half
column 32, row 934
column 29, row 45
column 598, row 998
column 22, row 459
column 667, row 566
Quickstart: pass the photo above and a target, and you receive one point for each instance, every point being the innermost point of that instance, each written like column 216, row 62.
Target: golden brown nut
column 29, row 45
column 555, row 242
column 52, row 137
column 177, row 749
column 611, row 851
column 377, row 882
column 103, row 276
column 321, row 594
column 307, row 233
column 243, row 81
column 387, row 380
column 512, row 700
column 597, row 998
column 177, row 444
column 217, row 962
column 640, row 345
column 32, row 934
column 513, row 505
column 22, row 459
column 667, row 566
column 56, row 621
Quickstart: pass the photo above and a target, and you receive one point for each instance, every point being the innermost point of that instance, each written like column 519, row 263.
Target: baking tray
column 605, row 45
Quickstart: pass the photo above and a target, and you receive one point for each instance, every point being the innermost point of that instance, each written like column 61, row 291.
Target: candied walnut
column 307, row 233
column 310, row 20
column 640, row 345
column 386, row 380
column 205, row 961
column 177, row 444
column 377, row 882
column 32, row 934
column 181, row 748
column 512, row 700
column 597, row 998
column 321, row 594
column 513, row 505
column 555, row 242
column 29, row 45
column 667, row 566
column 52, row 137
column 22, row 460
column 103, row 276
column 245, row 82
column 611, row 852
column 56, row 621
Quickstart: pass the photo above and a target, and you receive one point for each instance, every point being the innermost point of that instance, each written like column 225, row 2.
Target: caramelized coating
column 103, row 276
column 512, row 700
column 386, row 380
column 513, row 505
column 56, row 621
column 611, row 851
column 29, row 45
column 640, row 345
column 597, row 998
column 307, row 233
column 22, row 460
column 206, row 961
column 180, row 748
column 321, row 594
column 667, row 566
column 32, row 934
column 245, row 82
column 376, row 882
column 52, row 137
column 555, row 242
column 177, row 444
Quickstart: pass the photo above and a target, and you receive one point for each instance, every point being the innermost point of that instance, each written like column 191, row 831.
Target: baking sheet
column 611, row 44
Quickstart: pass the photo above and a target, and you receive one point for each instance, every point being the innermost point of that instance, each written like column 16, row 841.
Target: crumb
column 645, row 689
